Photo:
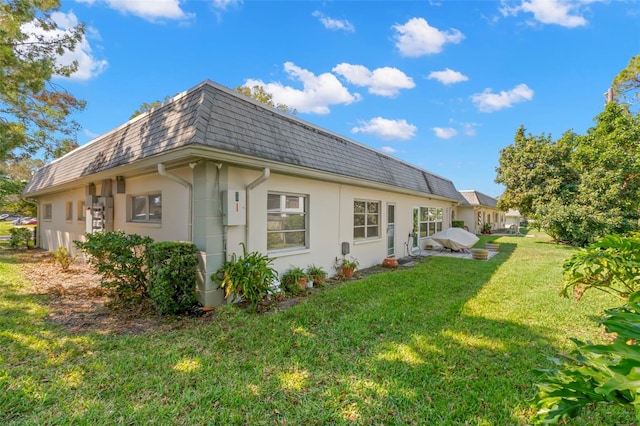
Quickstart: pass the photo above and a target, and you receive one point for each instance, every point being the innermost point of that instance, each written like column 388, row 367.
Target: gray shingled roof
column 476, row 198
column 210, row 115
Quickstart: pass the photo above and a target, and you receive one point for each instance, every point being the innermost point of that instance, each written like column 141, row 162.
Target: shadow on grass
column 399, row 347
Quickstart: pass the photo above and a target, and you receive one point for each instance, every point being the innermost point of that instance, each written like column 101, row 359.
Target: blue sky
column 443, row 85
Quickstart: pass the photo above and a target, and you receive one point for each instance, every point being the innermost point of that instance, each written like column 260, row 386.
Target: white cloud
column 224, row 4
column 388, row 149
column 318, row 93
column 150, row 10
column 88, row 65
column 469, row 129
column 384, row 81
column 418, row 38
column 489, row 102
column 566, row 13
column 334, row 24
column 386, row 129
column 448, row 76
column 445, row 132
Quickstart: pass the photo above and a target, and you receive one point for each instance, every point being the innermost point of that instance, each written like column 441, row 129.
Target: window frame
column 425, row 224
column 146, row 209
column 366, row 225
column 287, row 209
column 81, row 211
column 68, row 211
column 47, row 212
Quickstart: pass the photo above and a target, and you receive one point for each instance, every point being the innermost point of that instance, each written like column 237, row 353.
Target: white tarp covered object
column 455, row 238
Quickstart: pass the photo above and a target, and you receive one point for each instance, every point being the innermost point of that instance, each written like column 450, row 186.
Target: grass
column 447, row 342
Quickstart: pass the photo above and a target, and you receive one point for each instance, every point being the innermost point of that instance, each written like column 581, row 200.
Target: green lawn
column 446, row 342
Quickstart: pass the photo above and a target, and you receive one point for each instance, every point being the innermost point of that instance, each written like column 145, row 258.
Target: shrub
column 611, row 264
column 64, row 258
column 249, row 276
column 291, row 278
column 119, row 258
column 173, row 271
column 19, row 236
column 316, row 274
column 596, row 374
column 457, row 223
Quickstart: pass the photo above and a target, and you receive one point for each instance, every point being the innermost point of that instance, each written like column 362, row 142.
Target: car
column 29, row 221
column 11, row 218
column 4, row 216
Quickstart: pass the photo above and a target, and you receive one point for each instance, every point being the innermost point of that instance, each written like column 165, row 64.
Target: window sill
column 145, row 224
column 285, row 253
column 367, row 241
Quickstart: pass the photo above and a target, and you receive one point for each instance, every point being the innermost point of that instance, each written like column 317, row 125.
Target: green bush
column 611, row 264
column 291, row 278
column 64, row 258
column 249, row 276
column 596, row 374
column 457, row 223
column 19, row 236
column 173, row 272
column 120, row 259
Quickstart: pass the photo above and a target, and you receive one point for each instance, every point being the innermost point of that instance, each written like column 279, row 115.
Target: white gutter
column 162, row 171
column 266, row 172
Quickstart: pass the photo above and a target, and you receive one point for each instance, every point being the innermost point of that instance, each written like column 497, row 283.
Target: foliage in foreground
column 611, row 264
column 444, row 342
column 119, row 258
column 173, row 269
column 20, row 235
column 596, row 374
column 249, row 276
column 137, row 269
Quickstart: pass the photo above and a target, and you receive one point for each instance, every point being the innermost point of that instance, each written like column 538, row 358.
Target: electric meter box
column 234, row 206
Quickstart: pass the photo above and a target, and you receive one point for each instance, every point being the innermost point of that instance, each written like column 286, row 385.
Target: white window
column 287, row 226
column 82, row 211
column 430, row 221
column 68, row 210
column 46, row 212
column 366, row 219
column 145, row 208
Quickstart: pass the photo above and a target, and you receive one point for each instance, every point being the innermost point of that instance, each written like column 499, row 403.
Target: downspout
column 266, row 172
column 163, row 172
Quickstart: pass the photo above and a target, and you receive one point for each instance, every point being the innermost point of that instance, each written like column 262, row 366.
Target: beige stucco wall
column 330, row 215
column 488, row 215
column 175, row 217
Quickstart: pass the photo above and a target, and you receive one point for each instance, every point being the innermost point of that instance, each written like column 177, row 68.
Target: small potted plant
column 486, row 228
column 294, row 279
column 316, row 274
column 347, row 266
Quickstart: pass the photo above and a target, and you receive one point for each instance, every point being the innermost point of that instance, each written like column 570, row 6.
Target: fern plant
column 249, row 276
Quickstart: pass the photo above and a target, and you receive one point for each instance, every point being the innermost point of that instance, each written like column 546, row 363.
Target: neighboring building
column 480, row 209
column 217, row 168
column 512, row 217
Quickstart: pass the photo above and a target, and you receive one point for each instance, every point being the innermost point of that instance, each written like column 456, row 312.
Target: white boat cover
column 455, row 238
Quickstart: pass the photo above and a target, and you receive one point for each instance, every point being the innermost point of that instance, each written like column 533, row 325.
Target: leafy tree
column 34, row 112
column 145, row 107
column 626, row 85
column 261, row 95
column 536, row 170
column 14, row 175
column 580, row 187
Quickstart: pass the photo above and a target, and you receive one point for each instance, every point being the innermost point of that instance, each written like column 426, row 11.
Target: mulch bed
column 77, row 302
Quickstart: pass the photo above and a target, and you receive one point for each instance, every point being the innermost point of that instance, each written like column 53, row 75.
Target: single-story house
column 217, row 168
column 512, row 217
column 479, row 210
